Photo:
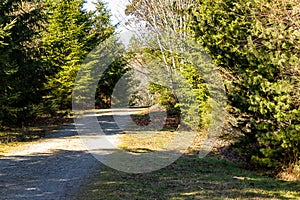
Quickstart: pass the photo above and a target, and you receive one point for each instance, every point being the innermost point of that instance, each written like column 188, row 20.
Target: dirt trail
column 51, row 168
column 48, row 169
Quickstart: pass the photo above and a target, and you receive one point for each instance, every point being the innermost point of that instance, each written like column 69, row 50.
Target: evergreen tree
column 21, row 72
column 98, row 75
column 70, row 35
column 257, row 44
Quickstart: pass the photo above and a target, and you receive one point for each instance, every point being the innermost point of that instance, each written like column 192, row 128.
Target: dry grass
column 292, row 174
column 147, row 140
column 188, row 178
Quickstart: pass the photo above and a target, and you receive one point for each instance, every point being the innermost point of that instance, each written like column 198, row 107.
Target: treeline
column 42, row 45
column 256, row 46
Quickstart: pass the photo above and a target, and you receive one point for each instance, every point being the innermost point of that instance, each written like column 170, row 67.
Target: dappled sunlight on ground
column 188, row 178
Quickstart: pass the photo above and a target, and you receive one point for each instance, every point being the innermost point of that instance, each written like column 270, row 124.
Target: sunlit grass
column 146, row 140
column 188, row 178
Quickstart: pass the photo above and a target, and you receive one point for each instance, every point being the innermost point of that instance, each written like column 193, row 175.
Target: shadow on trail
column 105, row 118
column 187, row 178
column 54, row 175
column 54, row 167
column 109, row 125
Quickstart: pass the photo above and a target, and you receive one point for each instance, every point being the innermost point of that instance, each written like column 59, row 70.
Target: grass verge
column 188, row 178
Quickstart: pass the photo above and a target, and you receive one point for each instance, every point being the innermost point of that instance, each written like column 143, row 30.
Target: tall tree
column 21, row 72
column 257, row 43
column 98, row 75
column 70, row 35
column 167, row 25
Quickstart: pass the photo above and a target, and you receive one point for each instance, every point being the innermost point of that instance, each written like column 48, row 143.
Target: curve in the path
column 51, row 168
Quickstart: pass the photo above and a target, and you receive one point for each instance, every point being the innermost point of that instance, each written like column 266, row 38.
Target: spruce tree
column 70, row 35
column 257, row 45
column 21, row 72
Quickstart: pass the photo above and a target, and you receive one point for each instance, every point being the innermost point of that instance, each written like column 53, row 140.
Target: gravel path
column 51, row 168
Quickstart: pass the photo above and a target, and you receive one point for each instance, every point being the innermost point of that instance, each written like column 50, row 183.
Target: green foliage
column 98, row 75
column 176, row 84
column 108, row 82
column 257, row 43
column 166, row 98
column 21, row 72
column 70, row 35
column 42, row 46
